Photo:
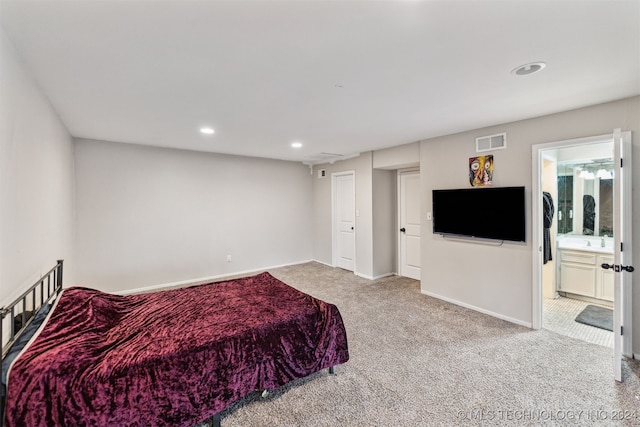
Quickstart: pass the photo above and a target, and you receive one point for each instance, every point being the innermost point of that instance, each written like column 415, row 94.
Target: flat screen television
column 486, row 213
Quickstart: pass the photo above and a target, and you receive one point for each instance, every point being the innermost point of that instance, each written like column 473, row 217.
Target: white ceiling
column 339, row 76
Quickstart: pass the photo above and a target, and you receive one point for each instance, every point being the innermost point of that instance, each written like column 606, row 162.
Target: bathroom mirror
column 585, row 197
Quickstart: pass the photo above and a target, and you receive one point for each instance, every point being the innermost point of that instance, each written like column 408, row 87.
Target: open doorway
column 581, row 257
column 577, row 185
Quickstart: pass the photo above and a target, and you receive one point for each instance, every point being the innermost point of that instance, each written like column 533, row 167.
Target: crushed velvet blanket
column 170, row 358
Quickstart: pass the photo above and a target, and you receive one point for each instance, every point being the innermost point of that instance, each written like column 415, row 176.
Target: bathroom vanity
column 584, row 220
column 579, row 272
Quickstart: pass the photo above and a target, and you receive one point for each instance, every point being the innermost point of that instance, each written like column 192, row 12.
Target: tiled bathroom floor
column 559, row 316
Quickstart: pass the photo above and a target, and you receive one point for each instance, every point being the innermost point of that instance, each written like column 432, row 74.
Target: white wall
column 399, row 157
column 150, row 216
column 322, row 239
column 376, row 203
column 496, row 279
column 385, row 230
column 36, row 181
column 499, row 279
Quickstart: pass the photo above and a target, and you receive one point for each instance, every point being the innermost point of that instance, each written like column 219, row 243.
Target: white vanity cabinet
column 581, row 274
column 605, row 278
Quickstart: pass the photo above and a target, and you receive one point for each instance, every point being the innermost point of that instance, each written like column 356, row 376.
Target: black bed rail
column 49, row 286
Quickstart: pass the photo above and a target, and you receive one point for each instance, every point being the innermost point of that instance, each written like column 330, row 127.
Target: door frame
column 536, row 229
column 399, row 252
column 623, row 224
column 334, row 218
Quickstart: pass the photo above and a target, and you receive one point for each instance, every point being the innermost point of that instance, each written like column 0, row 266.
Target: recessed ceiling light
column 526, row 69
column 296, row 144
column 207, row 131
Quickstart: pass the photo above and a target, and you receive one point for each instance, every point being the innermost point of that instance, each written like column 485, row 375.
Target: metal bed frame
column 53, row 287
column 44, row 291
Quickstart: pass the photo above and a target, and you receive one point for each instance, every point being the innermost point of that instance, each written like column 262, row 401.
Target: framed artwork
column 481, row 171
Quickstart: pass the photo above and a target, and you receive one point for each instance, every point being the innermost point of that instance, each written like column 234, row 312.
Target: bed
column 169, row 358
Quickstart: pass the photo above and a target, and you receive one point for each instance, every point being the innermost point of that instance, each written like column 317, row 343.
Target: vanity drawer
column 579, row 257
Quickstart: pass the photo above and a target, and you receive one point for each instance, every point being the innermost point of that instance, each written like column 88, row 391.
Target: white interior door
column 622, row 249
column 409, row 202
column 344, row 202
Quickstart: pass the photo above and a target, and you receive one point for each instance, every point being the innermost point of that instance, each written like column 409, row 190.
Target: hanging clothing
column 547, row 220
column 588, row 215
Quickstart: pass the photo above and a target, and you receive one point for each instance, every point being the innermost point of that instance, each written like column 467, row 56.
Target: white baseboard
column 202, row 279
column 364, row 276
column 478, row 309
column 384, row 275
column 323, row 263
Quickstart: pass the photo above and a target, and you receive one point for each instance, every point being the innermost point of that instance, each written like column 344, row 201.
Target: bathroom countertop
column 595, row 248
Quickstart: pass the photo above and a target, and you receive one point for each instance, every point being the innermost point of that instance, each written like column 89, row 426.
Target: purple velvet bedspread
column 171, row 358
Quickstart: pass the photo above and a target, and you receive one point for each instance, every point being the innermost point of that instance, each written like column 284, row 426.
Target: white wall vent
column 322, row 173
column 491, row 142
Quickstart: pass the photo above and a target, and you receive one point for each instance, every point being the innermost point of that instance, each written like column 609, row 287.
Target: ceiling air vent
column 320, row 158
column 491, row 142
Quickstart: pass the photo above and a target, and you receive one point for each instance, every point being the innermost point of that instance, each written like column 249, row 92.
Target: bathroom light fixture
column 604, row 174
column 207, row 131
column 585, row 174
column 526, row 69
column 296, row 144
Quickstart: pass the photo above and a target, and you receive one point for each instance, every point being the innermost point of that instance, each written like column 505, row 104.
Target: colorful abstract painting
column 481, row 171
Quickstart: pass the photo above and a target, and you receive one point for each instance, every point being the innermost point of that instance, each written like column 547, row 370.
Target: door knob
column 618, row 268
column 404, row 230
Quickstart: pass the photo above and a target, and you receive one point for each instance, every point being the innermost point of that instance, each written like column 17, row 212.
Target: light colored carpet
column 419, row 361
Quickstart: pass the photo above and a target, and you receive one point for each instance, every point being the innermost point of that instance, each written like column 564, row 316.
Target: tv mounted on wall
column 486, row 213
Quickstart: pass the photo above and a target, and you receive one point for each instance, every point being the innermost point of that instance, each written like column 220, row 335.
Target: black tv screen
column 487, row 213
